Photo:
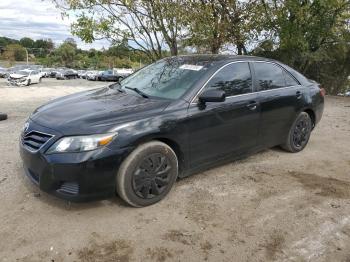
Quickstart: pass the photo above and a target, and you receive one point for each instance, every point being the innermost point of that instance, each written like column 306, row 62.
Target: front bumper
column 17, row 82
column 75, row 177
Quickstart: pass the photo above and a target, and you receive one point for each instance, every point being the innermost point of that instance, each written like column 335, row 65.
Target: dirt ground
column 272, row 206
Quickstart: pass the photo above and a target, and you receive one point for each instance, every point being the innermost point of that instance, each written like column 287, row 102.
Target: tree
column 66, row 52
column 311, row 36
column 27, row 42
column 4, row 41
column 46, row 44
column 148, row 26
column 14, row 52
column 207, row 26
column 244, row 22
column 214, row 23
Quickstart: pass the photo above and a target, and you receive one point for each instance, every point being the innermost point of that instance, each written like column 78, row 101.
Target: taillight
column 322, row 92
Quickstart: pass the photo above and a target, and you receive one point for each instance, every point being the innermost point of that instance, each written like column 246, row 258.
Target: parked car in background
column 24, row 78
column 123, row 72
column 81, row 72
column 84, row 74
column 3, row 72
column 46, row 72
column 108, row 75
column 92, row 75
column 66, row 74
column 347, row 93
column 53, row 73
column 170, row 119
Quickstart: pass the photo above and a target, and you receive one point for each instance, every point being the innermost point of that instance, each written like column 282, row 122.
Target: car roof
column 217, row 61
column 219, row 58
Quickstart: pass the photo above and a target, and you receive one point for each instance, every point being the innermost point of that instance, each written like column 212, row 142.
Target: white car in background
column 92, row 75
column 24, row 78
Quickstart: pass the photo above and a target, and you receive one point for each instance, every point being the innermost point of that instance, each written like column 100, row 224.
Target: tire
column 40, row 79
column 3, row 116
column 299, row 133
column 29, row 82
column 137, row 182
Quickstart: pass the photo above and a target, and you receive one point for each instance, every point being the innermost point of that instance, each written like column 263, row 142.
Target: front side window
column 234, row 79
column 269, row 76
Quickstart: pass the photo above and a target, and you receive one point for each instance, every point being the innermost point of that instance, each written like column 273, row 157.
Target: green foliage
column 66, row 52
column 14, row 52
column 44, row 44
column 311, row 36
column 4, row 41
column 27, row 42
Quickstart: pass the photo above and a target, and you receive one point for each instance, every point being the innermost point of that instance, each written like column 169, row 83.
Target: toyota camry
column 175, row 117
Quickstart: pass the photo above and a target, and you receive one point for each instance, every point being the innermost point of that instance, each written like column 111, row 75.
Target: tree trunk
column 241, row 49
column 173, row 49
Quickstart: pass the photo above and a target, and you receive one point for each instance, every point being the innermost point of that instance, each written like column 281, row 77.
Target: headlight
column 81, row 143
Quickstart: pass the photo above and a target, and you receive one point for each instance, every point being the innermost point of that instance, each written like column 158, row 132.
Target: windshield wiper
column 137, row 91
column 116, row 86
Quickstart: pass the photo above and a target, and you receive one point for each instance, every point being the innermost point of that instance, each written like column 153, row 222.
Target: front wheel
column 299, row 133
column 147, row 174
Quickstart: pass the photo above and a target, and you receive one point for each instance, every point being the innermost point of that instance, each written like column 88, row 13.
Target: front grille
column 69, row 188
column 34, row 140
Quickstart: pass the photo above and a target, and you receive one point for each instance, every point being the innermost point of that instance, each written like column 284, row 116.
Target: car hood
column 95, row 111
column 16, row 76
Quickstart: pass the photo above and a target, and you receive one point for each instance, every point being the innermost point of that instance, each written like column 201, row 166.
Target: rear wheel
column 299, row 134
column 147, row 174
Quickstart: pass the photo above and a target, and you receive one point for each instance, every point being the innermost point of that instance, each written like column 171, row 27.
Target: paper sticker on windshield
column 191, row 67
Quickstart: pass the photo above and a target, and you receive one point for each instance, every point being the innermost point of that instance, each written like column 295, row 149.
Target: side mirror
column 214, row 95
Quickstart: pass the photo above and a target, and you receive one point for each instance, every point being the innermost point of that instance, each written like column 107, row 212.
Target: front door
column 220, row 129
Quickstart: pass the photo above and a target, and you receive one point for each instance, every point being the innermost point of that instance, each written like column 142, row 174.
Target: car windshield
column 25, row 73
column 166, row 79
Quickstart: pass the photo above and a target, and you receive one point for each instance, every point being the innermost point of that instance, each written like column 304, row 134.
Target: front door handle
column 298, row 94
column 252, row 105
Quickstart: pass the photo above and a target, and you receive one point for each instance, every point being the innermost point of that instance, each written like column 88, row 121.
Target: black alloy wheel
column 152, row 176
column 299, row 133
column 147, row 174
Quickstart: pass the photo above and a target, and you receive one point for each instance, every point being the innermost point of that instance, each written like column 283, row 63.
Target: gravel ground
column 272, row 206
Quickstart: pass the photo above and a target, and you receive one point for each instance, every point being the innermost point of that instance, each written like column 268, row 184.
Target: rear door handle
column 252, row 105
column 298, row 94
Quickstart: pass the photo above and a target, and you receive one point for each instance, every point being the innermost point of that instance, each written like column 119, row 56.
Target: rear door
column 280, row 97
column 220, row 129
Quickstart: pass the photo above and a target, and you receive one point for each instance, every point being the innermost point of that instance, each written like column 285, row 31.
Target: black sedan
column 108, row 75
column 66, row 74
column 168, row 120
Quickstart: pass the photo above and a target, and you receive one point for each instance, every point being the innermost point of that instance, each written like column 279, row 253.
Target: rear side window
column 269, row 76
column 234, row 79
column 290, row 81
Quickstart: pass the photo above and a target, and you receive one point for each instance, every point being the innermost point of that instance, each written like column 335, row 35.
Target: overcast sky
column 37, row 19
